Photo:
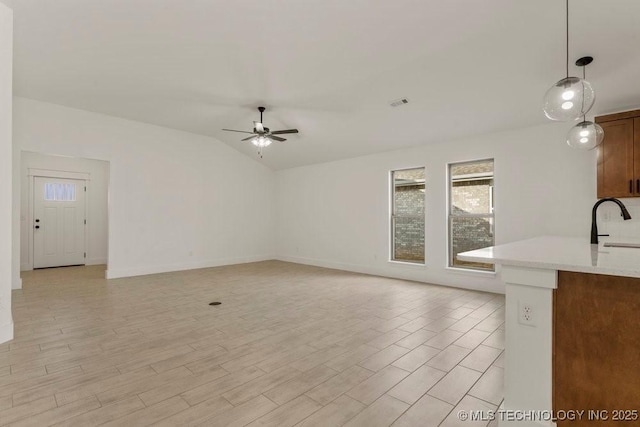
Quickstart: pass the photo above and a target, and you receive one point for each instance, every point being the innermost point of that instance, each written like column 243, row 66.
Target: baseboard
column 6, row 332
column 16, row 283
column 355, row 268
column 112, row 273
column 417, row 273
column 524, row 423
column 26, row 267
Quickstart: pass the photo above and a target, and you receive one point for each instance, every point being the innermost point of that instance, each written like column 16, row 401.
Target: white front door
column 58, row 222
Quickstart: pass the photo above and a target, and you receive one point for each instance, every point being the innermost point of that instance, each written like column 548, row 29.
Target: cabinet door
column 636, row 154
column 596, row 346
column 615, row 160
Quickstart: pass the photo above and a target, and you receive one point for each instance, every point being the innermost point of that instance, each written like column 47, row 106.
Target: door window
column 57, row 192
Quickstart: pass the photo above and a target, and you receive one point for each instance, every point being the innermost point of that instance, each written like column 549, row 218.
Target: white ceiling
column 326, row 67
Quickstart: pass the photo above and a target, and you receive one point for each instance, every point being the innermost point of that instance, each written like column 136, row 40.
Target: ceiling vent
column 399, row 102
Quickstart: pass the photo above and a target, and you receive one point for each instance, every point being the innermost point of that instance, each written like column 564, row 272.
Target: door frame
column 34, row 173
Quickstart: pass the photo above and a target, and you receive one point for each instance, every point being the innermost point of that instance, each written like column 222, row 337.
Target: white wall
column 176, row 200
column 609, row 221
column 7, row 199
column 97, row 195
column 337, row 214
column 180, row 201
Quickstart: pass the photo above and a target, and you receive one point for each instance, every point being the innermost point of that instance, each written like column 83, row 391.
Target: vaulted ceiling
column 327, row 67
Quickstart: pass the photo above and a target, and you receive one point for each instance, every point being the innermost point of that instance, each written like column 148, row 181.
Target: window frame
column 450, row 215
column 393, row 216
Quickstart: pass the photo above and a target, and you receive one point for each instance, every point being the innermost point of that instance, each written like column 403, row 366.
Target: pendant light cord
column 567, row 10
column 584, row 77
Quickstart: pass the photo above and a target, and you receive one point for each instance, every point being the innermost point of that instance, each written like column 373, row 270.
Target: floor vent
column 399, row 102
column 215, row 303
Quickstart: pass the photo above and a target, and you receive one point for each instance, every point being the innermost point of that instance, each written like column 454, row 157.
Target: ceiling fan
column 262, row 136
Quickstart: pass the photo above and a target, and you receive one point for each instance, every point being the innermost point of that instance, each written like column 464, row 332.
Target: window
column 407, row 215
column 55, row 192
column 471, row 218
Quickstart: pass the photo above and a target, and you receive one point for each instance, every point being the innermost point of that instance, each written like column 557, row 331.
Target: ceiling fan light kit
column 571, row 97
column 261, row 141
column 262, row 136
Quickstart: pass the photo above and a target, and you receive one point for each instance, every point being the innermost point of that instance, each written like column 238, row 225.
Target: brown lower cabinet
column 596, row 349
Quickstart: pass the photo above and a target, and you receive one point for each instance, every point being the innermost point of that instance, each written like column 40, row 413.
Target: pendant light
column 586, row 135
column 570, row 98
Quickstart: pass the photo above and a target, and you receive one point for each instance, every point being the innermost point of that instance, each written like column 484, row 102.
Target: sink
column 622, row 245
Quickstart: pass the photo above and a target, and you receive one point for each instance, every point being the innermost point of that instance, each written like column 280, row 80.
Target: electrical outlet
column 526, row 314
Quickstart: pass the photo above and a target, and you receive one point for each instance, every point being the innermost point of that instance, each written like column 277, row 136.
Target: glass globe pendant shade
column 569, row 99
column 261, row 141
column 585, row 135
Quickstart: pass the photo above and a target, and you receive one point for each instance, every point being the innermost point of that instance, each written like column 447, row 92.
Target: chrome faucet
column 594, row 227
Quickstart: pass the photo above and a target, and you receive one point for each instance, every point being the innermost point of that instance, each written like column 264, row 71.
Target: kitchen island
column 572, row 332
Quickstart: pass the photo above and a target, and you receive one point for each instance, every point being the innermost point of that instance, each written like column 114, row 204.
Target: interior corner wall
column 176, row 200
column 7, row 199
column 338, row 215
column 98, row 187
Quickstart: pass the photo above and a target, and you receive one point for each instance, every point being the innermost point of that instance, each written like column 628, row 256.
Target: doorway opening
column 64, row 211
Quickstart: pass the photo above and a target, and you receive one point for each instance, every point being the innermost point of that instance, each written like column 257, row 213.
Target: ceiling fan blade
column 246, row 139
column 276, row 138
column 259, row 127
column 280, row 132
column 233, row 130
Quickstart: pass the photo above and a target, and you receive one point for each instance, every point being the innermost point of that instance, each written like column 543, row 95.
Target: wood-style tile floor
column 289, row 345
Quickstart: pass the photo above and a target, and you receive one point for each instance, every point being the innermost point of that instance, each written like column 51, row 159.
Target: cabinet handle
column 638, row 185
column 631, row 186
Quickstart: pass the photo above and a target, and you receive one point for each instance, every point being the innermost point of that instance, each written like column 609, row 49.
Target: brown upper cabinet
column 619, row 155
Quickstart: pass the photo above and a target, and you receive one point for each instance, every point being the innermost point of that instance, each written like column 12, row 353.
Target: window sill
column 413, row 264
column 471, row 272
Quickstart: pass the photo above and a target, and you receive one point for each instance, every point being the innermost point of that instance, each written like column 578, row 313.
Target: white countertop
column 563, row 253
